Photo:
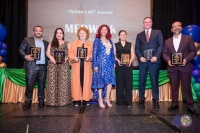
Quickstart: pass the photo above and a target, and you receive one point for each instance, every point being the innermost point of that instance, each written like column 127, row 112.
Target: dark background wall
column 14, row 16
column 165, row 12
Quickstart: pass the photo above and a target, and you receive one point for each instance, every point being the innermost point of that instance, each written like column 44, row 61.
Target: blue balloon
column 1, row 45
column 3, row 53
column 196, row 60
column 3, row 32
column 192, row 30
column 195, row 73
column 197, row 80
column 197, row 66
column 4, row 46
column 4, row 59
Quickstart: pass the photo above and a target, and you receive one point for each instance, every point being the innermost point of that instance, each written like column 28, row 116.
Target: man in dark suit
column 180, row 44
column 36, row 69
column 148, row 48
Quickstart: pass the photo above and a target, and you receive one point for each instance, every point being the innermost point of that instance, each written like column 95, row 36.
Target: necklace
column 107, row 45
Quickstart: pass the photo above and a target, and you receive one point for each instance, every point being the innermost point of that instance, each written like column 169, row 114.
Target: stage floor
column 92, row 119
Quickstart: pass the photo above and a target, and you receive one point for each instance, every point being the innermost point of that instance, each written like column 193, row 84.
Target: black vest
column 122, row 50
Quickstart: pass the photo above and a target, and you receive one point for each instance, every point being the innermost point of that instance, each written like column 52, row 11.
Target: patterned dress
column 58, row 90
column 103, row 58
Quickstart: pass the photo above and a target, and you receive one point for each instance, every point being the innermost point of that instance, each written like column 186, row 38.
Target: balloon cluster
column 194, row 31
column 3, row 46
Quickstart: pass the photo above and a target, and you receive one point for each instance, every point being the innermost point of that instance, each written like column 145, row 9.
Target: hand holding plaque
column 148, row 54
column 125, row 59
column 59, row 57
column 177, row 59
column 81, row 52
column 35, row 52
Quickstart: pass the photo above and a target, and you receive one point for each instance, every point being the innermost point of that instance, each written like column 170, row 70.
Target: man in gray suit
column 35, row 66
column 148, row 48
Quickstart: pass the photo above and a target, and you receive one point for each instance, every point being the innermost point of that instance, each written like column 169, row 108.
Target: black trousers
column 124, row 85
column 32, row 77
column 81, row 78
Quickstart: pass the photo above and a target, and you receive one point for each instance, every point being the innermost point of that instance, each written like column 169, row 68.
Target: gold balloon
column 197, row 45
column 1, row 59
column 2, row 64
column 198, row 52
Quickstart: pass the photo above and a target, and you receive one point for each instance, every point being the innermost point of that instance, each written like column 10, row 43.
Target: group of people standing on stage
column 94, row 75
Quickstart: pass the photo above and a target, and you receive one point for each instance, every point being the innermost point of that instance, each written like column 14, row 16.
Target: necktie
column 147, row 36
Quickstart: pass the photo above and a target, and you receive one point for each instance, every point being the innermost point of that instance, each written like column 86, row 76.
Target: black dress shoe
column 173, row 107
column 41, row 103
column 27, row 105
column 121, row 104
column 77, row 103
column 192, row 111
column 156, row 104
column 86, row 103
column 129, row 106
column 141, row 103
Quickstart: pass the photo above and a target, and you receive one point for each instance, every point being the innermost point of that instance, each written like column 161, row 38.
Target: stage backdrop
column 71, row 14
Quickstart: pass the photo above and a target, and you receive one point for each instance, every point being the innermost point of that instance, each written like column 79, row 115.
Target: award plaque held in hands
column 125, row 59
column 148, row 54
column 177, row 59
column 81, row 52
column 35, row 52
column 59, row 57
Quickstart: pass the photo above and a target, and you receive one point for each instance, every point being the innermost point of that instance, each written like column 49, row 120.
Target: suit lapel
column 45, row 45
column 151, row 35
column 172, row 45
column 33, row 41
column 144, row 36
column 181, row 43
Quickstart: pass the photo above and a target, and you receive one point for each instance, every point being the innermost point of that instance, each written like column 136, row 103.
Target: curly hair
column 108, row 36
column 54, row 42
column 86, row 31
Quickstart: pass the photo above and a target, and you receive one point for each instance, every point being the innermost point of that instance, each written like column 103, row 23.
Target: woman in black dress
column 124, row 78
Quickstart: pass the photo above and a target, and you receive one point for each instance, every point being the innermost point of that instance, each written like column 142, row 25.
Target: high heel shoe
column 108, row 103
column 101, row 105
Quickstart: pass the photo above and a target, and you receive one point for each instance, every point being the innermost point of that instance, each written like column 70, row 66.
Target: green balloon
column 196, row 87
column 192, row 80
column 198, row 94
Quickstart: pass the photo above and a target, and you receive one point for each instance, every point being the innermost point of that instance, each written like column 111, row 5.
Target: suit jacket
column 24, row 50
column 155, row 43
column 186, row 47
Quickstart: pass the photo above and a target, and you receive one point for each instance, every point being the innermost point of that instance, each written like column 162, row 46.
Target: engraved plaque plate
column 125, row 59
column 59, row 56
column 35, row 52
column 148, row 54
column 81, row 52
column 177, row 59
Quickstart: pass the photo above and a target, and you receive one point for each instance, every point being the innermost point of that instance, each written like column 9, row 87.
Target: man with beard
column 179, row 67
column 33, row 50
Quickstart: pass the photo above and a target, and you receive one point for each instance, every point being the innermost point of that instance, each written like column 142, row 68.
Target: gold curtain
column 13, row 93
